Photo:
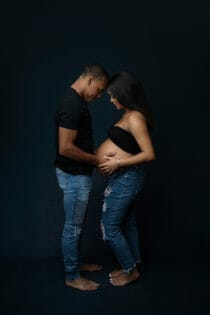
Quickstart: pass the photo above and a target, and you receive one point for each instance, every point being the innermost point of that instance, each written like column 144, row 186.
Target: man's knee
column 71, row 230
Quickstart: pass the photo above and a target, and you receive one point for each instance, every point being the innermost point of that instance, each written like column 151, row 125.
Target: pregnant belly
column 108, row 146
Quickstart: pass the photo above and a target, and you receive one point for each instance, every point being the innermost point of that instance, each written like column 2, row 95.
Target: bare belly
column 108, row 146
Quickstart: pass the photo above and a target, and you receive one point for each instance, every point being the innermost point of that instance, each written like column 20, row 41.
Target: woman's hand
column 110, row 166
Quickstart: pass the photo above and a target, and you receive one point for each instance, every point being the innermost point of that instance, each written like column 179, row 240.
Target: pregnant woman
column 130, row 140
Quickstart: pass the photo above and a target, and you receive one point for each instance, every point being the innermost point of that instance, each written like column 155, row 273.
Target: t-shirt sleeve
column 69, row 115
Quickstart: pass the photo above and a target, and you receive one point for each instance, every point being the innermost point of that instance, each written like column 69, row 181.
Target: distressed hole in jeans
column 107, row 191
column 103, row 232
column 104, row 207
column 78, row 230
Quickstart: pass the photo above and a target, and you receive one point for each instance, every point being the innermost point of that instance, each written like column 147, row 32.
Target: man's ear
column 90, row 80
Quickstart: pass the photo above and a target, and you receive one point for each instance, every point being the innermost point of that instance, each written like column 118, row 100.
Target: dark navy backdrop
column 44, row 48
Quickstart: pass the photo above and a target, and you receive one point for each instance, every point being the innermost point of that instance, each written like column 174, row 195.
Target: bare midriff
column 108, row 146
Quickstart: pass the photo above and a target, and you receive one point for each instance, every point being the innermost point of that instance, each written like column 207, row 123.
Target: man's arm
column 68, row 149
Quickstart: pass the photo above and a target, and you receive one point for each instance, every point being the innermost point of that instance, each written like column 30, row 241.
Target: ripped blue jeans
column 76, row 190
column 118, row 221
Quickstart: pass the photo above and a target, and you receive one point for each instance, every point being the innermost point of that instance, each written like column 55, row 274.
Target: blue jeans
column 118, row 221
column 76, row 190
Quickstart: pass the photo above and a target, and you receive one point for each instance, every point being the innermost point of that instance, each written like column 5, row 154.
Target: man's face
column 94, row 88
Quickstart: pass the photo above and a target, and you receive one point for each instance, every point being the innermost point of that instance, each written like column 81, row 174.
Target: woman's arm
column 138, row 128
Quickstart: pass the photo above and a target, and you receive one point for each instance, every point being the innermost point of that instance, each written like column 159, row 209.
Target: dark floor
column 38, row 288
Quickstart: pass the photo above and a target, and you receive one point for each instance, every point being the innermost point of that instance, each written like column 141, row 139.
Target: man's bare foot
column 90, row 267
column 82, row 284
column 115, row 273
column 123, row 279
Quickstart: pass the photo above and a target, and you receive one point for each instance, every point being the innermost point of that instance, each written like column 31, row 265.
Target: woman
column 130, row 140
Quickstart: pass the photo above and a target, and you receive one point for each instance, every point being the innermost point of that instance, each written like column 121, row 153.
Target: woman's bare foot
column 115, row 273
column 123, row 279
column 82, row 284
column 90, row 267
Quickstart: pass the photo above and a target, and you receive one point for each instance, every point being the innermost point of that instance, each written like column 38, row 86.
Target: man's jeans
column 118, row 221
column 76, row 189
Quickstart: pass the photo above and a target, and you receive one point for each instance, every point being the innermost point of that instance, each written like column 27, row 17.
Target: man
column 74, row 162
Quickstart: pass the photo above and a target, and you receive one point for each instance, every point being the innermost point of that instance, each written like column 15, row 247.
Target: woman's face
column 115, row 102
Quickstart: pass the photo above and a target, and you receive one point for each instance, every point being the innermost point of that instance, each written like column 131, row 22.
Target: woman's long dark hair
column 130, row 93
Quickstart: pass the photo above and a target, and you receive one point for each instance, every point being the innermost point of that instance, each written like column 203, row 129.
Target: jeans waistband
column 122, row 170
column 129, row 168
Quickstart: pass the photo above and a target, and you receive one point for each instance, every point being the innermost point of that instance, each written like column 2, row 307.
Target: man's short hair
column 96, row 70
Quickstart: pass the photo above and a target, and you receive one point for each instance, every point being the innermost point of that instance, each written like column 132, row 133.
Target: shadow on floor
column 37, row 287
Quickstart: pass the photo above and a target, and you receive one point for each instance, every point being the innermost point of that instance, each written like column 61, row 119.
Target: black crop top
column 123, row 139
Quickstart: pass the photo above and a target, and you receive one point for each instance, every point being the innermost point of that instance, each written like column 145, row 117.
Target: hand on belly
column 108, row 148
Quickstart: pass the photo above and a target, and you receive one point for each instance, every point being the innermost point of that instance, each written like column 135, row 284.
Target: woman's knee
column 110, row 231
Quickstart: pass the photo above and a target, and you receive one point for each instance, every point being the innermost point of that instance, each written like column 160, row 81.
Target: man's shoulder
column 71, row 101
column 72, row 96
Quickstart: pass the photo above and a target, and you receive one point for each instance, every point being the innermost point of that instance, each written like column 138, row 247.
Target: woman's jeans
column 118, row 221
column 76, row 189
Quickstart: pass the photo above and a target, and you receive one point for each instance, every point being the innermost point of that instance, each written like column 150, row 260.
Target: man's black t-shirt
column 74, row 114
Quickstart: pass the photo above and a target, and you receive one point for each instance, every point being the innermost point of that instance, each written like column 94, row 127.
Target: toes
column 114, row 273
column 98, row 267
column 93, row 286
column 113, row 282
column 94, row 283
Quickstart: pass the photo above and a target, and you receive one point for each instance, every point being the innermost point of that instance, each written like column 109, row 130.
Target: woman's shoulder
column 135, row 116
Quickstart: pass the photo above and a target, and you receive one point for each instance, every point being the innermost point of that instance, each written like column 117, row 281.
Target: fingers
column 108, row 167
column 108, row 158
column 110, row 154
column 103, row 160
column 104, row 170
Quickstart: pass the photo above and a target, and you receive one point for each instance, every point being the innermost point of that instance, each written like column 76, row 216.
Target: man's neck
column 77, row 87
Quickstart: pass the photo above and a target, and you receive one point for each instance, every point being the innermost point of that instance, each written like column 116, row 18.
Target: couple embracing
column 120, row 158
